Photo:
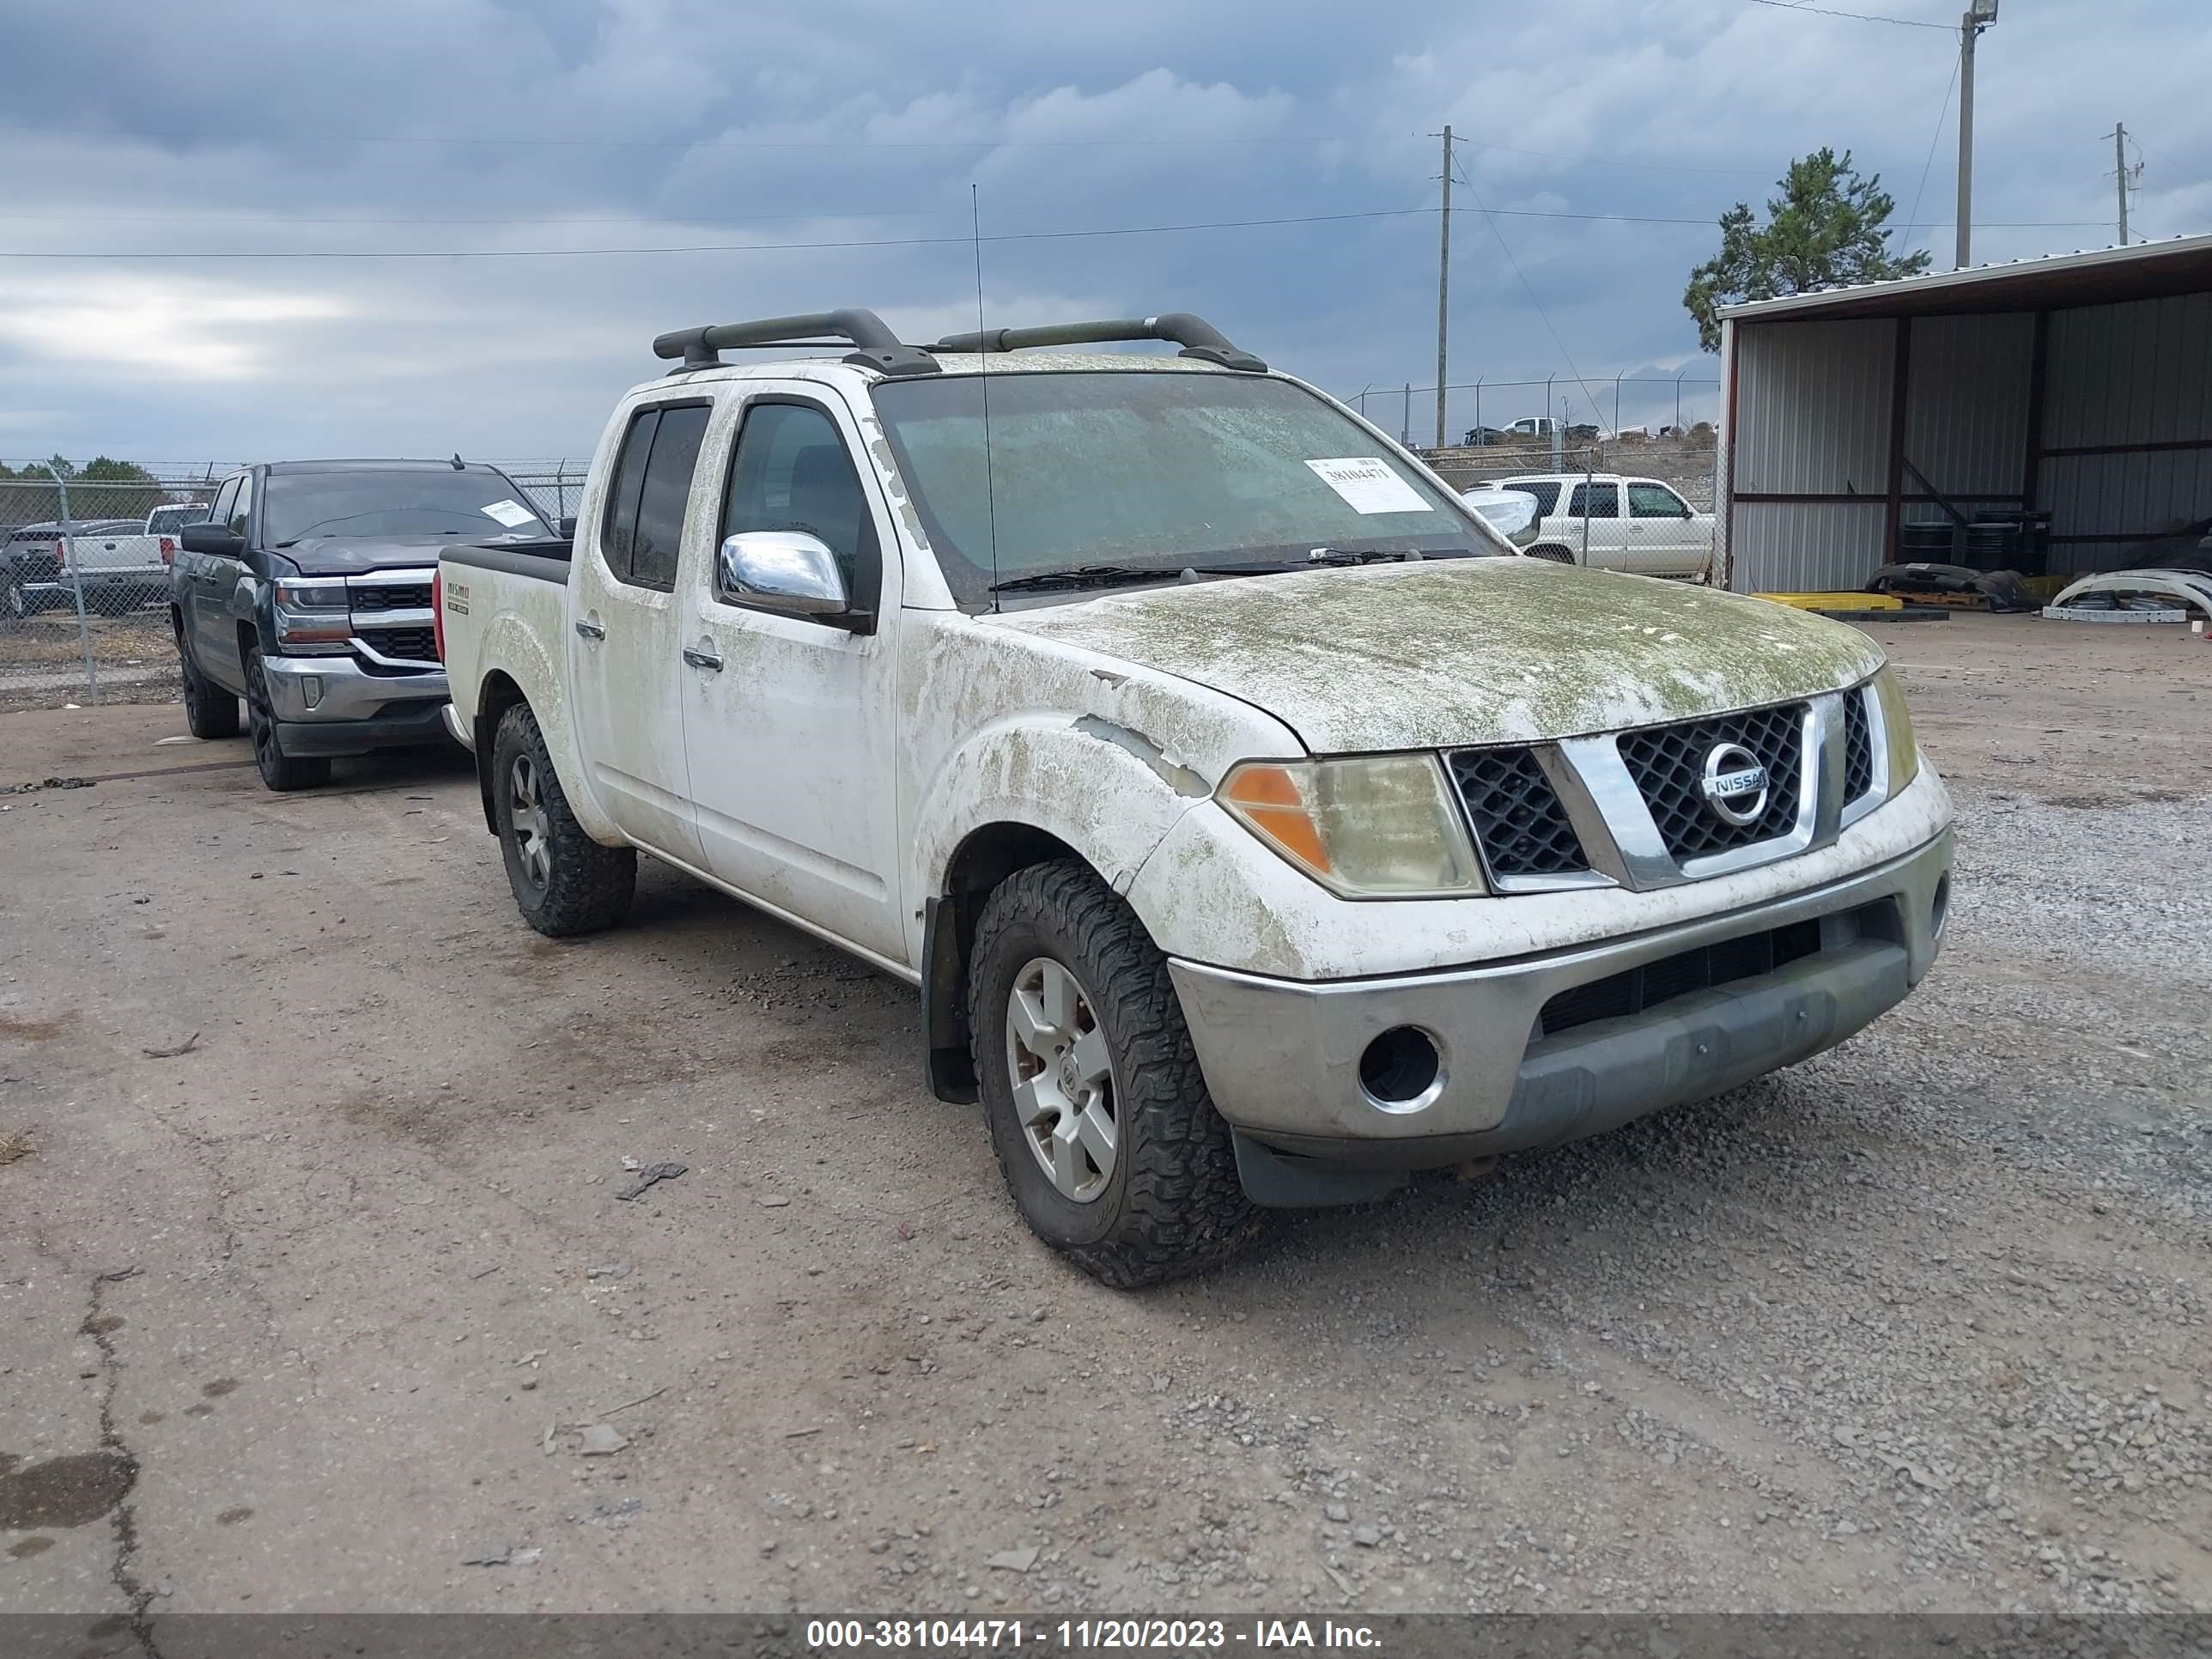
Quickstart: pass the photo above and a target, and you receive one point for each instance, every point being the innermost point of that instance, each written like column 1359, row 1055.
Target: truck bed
column 545, row 561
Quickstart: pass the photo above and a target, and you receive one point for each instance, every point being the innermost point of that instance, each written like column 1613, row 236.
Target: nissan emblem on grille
column 1735, row 784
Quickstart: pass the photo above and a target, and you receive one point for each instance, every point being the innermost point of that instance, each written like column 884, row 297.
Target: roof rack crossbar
column 878, row 348
column 1197, row 337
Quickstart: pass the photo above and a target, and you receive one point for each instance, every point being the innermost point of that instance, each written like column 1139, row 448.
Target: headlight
column 1896, row 731
column 1382, row 826
column 313, row 615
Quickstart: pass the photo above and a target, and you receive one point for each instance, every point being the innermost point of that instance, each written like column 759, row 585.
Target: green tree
column 1825, row 229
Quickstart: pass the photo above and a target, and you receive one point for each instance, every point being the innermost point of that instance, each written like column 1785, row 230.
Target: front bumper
column 1282, row 1059
column 333, row 706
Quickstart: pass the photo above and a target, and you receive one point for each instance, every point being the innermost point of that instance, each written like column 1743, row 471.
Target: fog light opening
column 311, row 686
column 1939, row 908
column 1401, row 1070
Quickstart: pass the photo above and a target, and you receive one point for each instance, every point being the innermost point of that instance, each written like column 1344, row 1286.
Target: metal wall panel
column 1793, row 547
column 2123, row 498
column 1812, row 408
column 2131, row 373
column 2139, row 372
column 1966, row 421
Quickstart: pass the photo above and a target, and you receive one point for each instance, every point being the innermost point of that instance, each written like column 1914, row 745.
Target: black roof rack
column 878, row 348
column 1197, row 337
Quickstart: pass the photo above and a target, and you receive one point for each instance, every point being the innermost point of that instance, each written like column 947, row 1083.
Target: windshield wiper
column 1105, row 576
column 1372, row 555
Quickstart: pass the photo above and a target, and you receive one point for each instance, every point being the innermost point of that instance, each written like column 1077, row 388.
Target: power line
column 1934, row 138
column 714, row 247
column 1856, row 16
column 510, row 142
column 1530, row 290
column 888, row 241
column 47, row 129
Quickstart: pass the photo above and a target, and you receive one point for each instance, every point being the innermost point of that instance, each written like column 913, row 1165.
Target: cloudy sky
column 214, row 170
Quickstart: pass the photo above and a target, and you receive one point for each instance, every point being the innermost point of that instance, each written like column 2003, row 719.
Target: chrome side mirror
column 789, row 572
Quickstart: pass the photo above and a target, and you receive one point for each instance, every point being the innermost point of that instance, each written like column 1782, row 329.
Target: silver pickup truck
column 1257, row 826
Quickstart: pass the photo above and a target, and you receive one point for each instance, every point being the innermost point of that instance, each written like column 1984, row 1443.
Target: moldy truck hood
column 1465, row 651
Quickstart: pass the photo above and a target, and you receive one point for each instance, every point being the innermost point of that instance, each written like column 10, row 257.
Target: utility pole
column 1444, row 287
column 1980, row 14
column 2120, row 172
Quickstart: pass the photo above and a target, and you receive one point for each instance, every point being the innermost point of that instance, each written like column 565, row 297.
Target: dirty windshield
column 415, row 501
column 1116, row 468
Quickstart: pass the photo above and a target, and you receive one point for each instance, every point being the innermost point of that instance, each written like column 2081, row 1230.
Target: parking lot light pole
column 77, row 582
column 1980, row 14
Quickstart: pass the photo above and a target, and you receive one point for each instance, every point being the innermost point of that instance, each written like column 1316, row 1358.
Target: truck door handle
column 590, row 630
column 706, row 659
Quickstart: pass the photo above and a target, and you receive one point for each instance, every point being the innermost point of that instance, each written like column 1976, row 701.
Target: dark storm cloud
column 244, row 124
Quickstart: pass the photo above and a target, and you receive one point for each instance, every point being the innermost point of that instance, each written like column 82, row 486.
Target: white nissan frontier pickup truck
column 1258, row 827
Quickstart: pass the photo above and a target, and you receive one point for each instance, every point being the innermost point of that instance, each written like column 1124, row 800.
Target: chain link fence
column 85, row 563
column 84, row 584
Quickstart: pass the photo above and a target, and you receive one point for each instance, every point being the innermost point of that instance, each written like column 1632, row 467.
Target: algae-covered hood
column 1497, row 650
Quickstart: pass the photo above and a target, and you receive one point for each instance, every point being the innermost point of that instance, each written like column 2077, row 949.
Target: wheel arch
column 498, row 694
column 985, row 857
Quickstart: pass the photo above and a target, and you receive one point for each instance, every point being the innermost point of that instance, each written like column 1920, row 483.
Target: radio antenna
column 983, row 385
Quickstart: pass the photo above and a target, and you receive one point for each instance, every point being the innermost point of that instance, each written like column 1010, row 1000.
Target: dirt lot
column 312, row 1314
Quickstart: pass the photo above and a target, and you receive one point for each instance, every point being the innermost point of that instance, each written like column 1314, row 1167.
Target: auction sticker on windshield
column 1369, row 485
column 512, row 513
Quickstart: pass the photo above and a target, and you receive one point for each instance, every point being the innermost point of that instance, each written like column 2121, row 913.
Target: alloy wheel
column 526, row 815
column 1063, row 1079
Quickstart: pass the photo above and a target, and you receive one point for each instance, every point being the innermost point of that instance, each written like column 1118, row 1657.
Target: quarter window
column 1594, row 500
column 1546, row 494
column 793, row 472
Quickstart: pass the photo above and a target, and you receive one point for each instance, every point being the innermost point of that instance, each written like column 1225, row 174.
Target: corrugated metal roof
column 2092, row 276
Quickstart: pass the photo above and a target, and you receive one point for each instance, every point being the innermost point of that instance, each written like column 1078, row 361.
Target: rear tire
column 564, row 882
column 1167, row 1202
column 1552, row 552
column 282, row 772
column 210, row 711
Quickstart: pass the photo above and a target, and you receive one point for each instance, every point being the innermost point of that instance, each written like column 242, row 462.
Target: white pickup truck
column 1257, row 826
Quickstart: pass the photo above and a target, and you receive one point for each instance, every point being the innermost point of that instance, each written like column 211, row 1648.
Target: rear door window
column 666, row 492
column 220, row 513
column 643, row 531
column 242, row 507
column 1594, row 500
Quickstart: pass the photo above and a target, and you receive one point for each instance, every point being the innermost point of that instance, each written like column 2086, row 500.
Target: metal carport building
column 2080, row 385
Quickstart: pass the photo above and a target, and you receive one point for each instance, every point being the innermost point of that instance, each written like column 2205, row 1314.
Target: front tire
column 281, row 772
column 564, row 882
column 210, row 711
column 1098, row 1113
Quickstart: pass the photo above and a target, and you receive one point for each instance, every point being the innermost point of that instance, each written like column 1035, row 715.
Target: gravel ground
column 336, row 1309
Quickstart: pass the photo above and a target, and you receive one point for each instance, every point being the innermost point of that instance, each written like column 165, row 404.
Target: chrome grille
column 1668, row 765
column 1515, row 814
column 1859, row 746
